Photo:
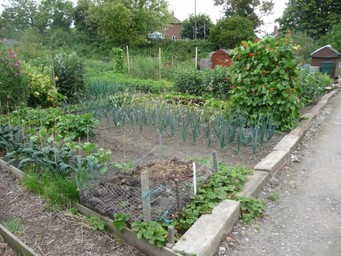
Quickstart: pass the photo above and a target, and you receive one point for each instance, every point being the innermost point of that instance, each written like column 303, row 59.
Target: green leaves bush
column 215, row 82
column 69, row 72
column 264, row 81
column 313, row 85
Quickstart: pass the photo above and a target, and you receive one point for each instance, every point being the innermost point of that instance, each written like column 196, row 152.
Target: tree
column 20, row 15
column 127, row 22
column 315, row 17
column 333, row 37
column 203, row 24
column 229, row 32
column 306, row 44
column 252, row 9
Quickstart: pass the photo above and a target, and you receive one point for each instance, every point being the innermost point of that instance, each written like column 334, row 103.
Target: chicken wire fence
column 152, row 190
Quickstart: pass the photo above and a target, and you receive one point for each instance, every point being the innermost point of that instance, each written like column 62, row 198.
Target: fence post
column 146, row 204
column 214, row 161
column 171, row 236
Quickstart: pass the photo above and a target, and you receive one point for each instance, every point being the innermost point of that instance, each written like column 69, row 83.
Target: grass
column 14, row 225
column 58, row 189
column 274, row 196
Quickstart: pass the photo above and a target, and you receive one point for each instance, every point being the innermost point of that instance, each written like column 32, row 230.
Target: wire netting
column 119, row 191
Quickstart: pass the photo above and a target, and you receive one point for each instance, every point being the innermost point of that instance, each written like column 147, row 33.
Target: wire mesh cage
column 152, row 190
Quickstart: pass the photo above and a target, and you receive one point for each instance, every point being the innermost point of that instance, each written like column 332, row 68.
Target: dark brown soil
column 53, row 232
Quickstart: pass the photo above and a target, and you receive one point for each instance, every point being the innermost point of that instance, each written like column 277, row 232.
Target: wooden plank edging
column 15, row 243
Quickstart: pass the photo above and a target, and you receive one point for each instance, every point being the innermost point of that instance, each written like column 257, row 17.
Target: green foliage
column 254, row 10
column 264, row 82
column 58, row 189
column 229, row 32
column 109, row 83
column 274, row 196
column 313, row 85
column 332, row 37
column 222, row 185
column 54, row 120
column 97, row 223
column 313, row 17
column 15, row 226
column 251, row 208
column 14, row 80
column 120, row 220
column 145, row 68
column 203, row 24
column 43, row 92
column 152, row 231
column 76, row 126
column 306, row 44
column 188, row 80
column 217, row 81
column 68, row 69
column 128, row 23
column 118, row 57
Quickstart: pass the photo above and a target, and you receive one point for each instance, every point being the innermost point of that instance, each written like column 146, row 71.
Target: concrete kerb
column 204, row 237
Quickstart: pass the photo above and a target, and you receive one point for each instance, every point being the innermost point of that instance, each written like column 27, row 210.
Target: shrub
column 313, row 85
column 188, row 80
column 43, row 92
column 13, row 80
column 69, row 72
column 217, row 81
column 264, row 82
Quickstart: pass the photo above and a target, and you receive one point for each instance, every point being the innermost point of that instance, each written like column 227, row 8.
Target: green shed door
column 327, row 67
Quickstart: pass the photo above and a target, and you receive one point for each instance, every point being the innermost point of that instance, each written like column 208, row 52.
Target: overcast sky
column 183, row 8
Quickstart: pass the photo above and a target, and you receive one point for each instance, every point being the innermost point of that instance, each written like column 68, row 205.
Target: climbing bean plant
column 263, row 78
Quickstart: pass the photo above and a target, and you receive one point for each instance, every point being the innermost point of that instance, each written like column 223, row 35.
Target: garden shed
column 221, row 57
column 328, row 59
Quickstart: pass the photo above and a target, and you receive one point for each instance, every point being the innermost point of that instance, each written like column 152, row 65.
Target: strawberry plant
column 152, row 231
column 251, row 208
column 264, row 77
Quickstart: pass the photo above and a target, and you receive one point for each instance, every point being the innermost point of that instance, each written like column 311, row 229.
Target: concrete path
column 306, row 220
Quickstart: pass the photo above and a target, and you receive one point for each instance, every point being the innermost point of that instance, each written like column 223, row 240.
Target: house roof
column 175, row 20
column 327, row 46
column 227, row 51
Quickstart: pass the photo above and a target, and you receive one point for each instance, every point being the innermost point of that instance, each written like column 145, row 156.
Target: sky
column 183, row 8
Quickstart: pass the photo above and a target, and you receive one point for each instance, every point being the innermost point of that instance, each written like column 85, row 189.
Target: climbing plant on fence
column 264, row 77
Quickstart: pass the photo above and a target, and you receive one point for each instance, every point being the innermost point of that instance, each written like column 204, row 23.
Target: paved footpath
column 306, row 220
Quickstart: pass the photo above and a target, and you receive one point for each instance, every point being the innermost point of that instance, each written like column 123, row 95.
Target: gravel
column 304, row 215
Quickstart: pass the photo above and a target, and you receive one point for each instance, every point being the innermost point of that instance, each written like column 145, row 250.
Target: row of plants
column 171, row 120
column 53, row 120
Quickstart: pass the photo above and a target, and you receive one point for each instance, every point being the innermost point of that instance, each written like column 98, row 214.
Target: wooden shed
column 328, row 59
column 221, row 57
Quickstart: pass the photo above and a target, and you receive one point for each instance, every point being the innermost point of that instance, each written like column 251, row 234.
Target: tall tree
column 19, row 14
column 127, row 22
column 203, row 24
column 229, row 32
column 252, row 9
column 315, row 17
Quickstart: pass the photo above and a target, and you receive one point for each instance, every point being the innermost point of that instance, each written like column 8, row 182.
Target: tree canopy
column 203, row 25
column 315, row 17
column 229, row 32
column 252, row 9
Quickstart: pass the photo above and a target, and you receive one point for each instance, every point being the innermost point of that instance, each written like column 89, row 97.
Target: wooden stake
column 128, row 59
column 146, row 207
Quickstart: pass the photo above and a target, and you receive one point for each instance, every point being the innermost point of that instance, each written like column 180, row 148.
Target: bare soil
column 53, row 232
column 132, row 145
